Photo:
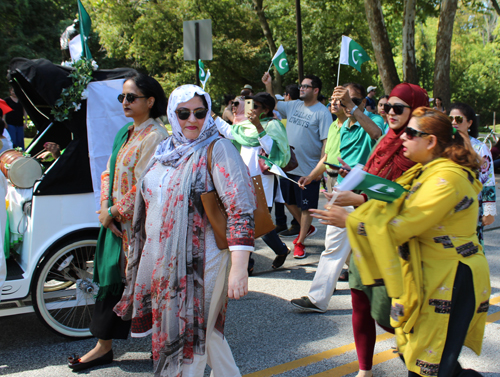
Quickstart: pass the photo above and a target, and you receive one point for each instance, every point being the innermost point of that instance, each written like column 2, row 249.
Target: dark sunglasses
column 398, row 108
column 356, row 101
column 411, row 133
column 129, row 96
column 199, row 113
column 305, row 86
column 235, row 104
column 458, row 118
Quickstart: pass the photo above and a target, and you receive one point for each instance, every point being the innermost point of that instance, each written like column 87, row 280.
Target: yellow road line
column 382, row 356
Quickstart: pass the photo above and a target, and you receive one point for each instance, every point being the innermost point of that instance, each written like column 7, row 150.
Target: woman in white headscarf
column 176, row 276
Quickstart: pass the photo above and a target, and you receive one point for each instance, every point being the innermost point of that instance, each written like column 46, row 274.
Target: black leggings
column 463, row 305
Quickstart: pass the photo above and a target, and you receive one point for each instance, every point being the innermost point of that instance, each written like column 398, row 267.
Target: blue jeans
column 17, row 135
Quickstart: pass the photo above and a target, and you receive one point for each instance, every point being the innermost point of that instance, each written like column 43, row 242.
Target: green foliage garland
column 75, row 93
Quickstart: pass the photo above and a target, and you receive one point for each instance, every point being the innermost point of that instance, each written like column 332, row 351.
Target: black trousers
column 105, row 324
column 463, row 305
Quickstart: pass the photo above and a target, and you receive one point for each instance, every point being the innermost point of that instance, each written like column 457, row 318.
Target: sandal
column 73, row 359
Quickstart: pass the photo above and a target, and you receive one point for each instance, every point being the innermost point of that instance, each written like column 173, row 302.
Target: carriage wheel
column 63, row 291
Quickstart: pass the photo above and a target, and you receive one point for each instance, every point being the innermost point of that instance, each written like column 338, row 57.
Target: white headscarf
column 177, row 147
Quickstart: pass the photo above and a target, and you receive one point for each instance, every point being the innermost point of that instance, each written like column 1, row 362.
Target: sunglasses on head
column 412, row 133
column 199, row 113
column 458, row 118
column 398, row 108
column 129, row 97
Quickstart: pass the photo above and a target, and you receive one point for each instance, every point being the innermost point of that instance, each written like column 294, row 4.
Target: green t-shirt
column 332, row 148
column 355, row 143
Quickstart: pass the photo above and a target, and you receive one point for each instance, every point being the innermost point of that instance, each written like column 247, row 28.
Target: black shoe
column 305, row 304
column 280, row 228
column 344, row 275
column 293, row 231
column 280, row 260
column 103, row 360
column 251, row 263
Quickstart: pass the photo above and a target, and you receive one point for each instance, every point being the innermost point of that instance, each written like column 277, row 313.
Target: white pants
column 337, row 249
column 217, row 352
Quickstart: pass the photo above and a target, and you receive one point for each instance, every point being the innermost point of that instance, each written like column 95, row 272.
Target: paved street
column 267, row 334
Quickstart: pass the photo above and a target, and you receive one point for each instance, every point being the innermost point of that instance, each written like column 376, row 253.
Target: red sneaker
column 312, row 230
column 299, row 251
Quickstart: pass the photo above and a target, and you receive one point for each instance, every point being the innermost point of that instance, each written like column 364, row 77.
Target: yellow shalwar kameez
column 414, row 246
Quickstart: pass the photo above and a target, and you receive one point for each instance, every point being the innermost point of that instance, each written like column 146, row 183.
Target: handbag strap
column 210, row 151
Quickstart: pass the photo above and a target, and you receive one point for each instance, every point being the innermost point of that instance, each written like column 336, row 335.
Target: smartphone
column 248, row 106
column 336, row 167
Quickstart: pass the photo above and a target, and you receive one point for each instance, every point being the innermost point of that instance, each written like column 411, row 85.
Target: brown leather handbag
column 216, row 213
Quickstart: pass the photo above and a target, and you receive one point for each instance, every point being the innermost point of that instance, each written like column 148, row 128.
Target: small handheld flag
column 275, row 169
column 352, row 53
column 374, row 187
column 85, row 23
column 203, row 75
column 280, row 62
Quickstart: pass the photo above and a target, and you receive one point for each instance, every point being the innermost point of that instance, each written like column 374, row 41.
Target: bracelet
column 354, row 109
column 262, row 134
column 109, row 212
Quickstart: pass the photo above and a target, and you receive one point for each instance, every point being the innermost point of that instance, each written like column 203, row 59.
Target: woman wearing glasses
column 144, row 101
column 177, row 284
column 424, row 248
column 261, row 134
column 371, row 304
column 463, row 118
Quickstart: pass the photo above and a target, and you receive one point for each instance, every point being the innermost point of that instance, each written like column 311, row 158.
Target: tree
column 381, row 45
column 443, row 49
column 409, row 61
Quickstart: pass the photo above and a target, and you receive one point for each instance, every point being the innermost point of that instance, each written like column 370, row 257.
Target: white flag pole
column 270, row 66
column 338, row 74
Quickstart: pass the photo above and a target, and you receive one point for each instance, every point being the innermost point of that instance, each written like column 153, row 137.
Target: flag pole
column 270, row 65
column 338, row 74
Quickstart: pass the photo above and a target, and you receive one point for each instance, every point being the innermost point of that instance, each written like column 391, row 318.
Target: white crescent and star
column 359, row 55
column 379, row 186
column 279, row 64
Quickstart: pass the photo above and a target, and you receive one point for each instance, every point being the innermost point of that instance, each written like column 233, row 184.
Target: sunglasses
column 398, row 108
column 129, row 96
column 412, row 133
column 235, row 104
column 305, row 86
column 199, row 113
column 458, row 118
column 356, row 101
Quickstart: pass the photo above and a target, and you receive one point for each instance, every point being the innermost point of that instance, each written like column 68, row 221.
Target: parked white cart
column 51, row 271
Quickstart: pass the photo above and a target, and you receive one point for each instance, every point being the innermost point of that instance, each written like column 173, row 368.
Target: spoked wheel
column 63, row 292
column 485, row 140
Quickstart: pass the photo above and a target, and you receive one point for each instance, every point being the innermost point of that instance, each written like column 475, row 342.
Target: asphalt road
column 267, row 334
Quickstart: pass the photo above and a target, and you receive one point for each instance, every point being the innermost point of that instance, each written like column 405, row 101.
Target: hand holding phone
column 336, row 167
column 248, row 106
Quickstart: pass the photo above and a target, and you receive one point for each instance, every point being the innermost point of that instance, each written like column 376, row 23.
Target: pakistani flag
column 203, row 75
column 352, row 53
column 374, row 187
column 280, row 62
column 84, row 29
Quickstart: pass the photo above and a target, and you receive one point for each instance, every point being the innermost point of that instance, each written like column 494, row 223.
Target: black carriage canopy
column 38, row 85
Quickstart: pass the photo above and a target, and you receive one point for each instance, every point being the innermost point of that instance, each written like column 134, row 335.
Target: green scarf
column 107, row 255
column 246, row 134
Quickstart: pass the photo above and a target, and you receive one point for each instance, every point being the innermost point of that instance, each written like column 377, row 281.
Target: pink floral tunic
column 131, row 161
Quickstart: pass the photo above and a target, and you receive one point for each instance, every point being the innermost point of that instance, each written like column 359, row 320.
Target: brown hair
column 451, row 144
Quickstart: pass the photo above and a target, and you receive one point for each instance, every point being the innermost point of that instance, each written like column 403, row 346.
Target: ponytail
column 451, row 143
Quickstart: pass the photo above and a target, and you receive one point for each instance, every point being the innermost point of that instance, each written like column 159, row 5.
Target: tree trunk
column 442, row 87
column 495, row 5
column 381, row 45
column 257, row 6
column 409, row 62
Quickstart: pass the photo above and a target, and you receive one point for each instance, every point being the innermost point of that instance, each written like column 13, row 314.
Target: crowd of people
column 417, row 269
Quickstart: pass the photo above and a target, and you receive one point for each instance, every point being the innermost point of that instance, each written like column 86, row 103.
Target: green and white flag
column 85, row 23
column 374, row 187
column 280, row 62
column 275, row 169
column 203, row 75
column 352, row 53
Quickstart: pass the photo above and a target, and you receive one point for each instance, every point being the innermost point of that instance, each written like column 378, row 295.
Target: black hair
column 151, row 88
column 384, row 96
column 228, row 97
column 203, row 99
column 321, row 97
column 470, row 114
column 293, row 91
column 360, row 88
column 246, row 93
column 315, row 82
column 267, row 101
column 439, row 98
column 2, row 123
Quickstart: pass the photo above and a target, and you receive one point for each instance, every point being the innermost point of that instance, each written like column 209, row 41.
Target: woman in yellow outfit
column 424, row 248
